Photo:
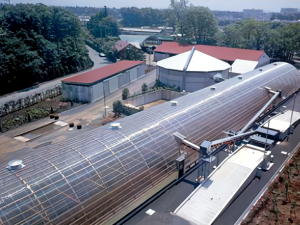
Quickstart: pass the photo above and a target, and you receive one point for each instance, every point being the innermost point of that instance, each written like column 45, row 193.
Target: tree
column 110, row 51
column 118, row 108
column 125, row 94
column 144, row 88
column 102, row 25
column 132, row 53
column 179, row 8
column 202, row 23
column 39, row 43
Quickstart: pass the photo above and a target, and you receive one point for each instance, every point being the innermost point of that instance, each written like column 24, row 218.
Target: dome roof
column 200, row 62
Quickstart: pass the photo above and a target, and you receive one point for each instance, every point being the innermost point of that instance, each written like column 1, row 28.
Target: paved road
column 98, row 63
column 171, row 199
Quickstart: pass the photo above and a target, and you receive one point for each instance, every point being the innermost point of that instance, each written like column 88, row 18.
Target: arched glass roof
column 93, row 177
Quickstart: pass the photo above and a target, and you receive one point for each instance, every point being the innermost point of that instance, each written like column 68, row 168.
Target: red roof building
column 95, row 84
column 222, row 53
column 103, row 72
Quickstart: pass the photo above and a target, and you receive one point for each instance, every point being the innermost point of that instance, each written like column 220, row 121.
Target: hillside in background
column 39, row 43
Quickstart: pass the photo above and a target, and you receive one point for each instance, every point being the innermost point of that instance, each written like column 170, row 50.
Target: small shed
column 242, row 66
column 92, row 85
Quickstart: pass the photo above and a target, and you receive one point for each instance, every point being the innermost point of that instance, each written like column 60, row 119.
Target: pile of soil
column 280, row 204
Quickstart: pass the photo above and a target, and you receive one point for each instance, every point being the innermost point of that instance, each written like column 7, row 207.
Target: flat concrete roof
column 282, row 122
column 209, row 199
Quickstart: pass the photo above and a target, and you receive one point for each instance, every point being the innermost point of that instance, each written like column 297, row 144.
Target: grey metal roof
column 134, row 38
column 97, row 175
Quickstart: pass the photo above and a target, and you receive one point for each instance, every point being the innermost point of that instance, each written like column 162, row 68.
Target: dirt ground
column 151, row 104
column 280, row 204
column 19, row 118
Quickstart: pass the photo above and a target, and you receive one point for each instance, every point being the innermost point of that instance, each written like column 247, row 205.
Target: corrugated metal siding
column 133, row 74
column 97, row 91
column 113, row 84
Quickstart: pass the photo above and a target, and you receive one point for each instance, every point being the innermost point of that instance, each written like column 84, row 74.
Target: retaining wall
column 153, row 96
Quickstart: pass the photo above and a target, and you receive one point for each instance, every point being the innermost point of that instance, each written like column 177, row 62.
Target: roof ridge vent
column 240, row 77
column 115, row 126
column 213, row 88
column 15, row 164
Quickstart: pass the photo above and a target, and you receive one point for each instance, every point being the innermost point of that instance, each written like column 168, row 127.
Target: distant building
column 121, row 46
column 139, row 31
column 253, row 12
column 143, row 40
column 289, row 10
column 84, row 19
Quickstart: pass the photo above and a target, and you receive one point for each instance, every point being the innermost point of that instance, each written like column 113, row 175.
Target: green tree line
column 39, row 43
column 285, row 16
column 279, row 41
column 91, row 11
column 102, row 25
column 135, row 17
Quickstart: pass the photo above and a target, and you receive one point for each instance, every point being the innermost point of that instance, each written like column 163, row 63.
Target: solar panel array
column 92, row 177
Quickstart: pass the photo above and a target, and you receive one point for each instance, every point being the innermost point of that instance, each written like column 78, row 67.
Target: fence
column 32, row 99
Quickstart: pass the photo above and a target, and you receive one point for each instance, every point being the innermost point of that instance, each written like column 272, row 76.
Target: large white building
column 191, row 71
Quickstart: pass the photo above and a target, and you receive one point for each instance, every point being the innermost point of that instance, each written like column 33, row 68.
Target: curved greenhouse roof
column 199, row 62
column 96, row 177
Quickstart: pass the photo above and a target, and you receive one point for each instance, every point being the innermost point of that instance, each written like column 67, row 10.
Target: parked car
column 101, row 54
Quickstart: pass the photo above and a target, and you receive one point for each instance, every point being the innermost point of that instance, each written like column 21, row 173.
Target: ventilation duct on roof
column 240, row 77
column 174, row 103
column 15, row 164
column 115, row 126
column 218, row 78
column 212, row 88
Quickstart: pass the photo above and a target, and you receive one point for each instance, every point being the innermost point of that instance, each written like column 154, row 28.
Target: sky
column 227, row 5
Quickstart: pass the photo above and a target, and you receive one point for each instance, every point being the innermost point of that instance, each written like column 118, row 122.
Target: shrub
column 144, row 88
column 117, row 108
column 125, row 94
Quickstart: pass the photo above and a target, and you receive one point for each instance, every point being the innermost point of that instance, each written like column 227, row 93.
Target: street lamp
column 104, row 99
column 106, row 107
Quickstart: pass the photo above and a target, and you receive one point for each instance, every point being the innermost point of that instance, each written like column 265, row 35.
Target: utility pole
column 267, row 134
column 104, row 101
